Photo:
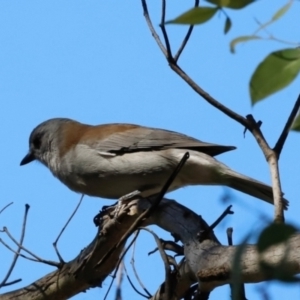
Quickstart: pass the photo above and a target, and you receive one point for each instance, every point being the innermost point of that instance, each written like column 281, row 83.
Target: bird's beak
column 27, row 159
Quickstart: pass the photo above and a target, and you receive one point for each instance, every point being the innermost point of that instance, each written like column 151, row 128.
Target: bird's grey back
column 138, row 138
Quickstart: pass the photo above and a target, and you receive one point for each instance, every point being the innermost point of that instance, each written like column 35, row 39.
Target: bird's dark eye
column 37, row 142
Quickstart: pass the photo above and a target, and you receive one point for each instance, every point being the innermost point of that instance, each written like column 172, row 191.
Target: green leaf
column 227, row 26
column 194, row 16
column 234, row 4
column 274, row 73
column 274, row 234
column 241, row 39
column 282, row 11
column 296, row 124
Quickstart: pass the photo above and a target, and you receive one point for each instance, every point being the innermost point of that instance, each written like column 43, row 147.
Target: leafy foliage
column 274, row 234
column 274, row 73
column 241, row 39
column 228, row 25
column 281, row 11
column 195, row 16
column 234, row 4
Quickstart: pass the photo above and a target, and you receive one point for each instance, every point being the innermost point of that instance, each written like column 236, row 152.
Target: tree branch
column 279, row 145
column 169, row 55
column 17, row 254
column 207, row 262
column 246, row 122
column 186, row 38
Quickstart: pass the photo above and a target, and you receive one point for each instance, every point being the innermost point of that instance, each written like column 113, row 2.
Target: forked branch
column 248, row 122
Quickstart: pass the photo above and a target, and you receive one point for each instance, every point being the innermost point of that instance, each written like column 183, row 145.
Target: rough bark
column 206, row 261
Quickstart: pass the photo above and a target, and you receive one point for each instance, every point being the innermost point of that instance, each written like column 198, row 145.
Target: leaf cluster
column 277, row 70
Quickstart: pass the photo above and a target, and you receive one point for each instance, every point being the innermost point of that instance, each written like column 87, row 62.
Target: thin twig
column 164, row 32
column 119, row 262
column 263, row 26
column 184, row 42
column 6, row 206
column 63, row 229
column 135, row 289
column 212, row 101
column 171, row 246
column 186, row 38
column 229, row 232
column 204, row 233
column 20, row 254
column 226, row 212
column 168, row 279
column 279, row 145
column 38, row 259
column 16, row 256
column 136, row 273
column 12, row 282
column 152, row 30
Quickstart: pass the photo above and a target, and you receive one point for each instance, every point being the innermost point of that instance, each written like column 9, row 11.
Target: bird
column 113, row 160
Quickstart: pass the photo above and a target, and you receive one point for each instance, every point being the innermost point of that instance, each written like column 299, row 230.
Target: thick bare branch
column 207, row 262
column 211, row 263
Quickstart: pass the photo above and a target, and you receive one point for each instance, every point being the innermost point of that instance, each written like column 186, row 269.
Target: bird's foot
column 123, row 199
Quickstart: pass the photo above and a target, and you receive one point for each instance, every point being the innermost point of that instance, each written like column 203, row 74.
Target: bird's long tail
column 252, row 187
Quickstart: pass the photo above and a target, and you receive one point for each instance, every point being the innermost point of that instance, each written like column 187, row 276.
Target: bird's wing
column 122, row 138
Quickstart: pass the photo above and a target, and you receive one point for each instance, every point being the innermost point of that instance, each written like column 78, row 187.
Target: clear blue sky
column 96, row 62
